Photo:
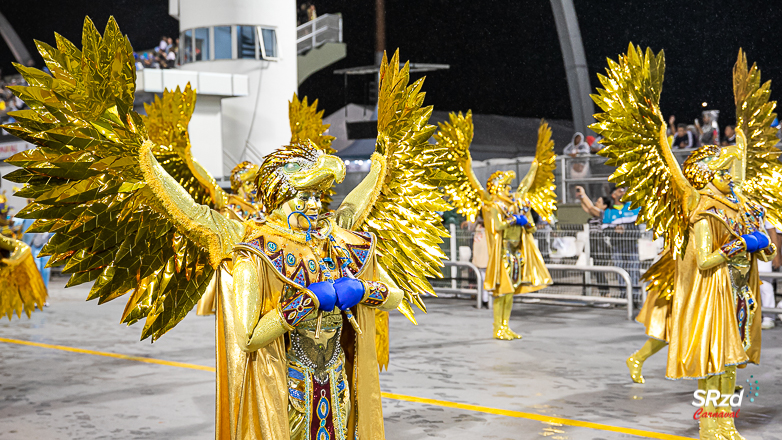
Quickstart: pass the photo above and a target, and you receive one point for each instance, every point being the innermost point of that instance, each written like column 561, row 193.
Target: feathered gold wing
column 541, row 194
column 756, row 137
column 167, row 120
column 464, row 192
column 307, row 124
column 117, row 217
column 636, row 142
column 21, row 286
column 399, row 199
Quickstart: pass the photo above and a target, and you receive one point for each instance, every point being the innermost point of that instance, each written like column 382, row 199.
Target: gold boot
column 728, row 386
column 636, row 361
column 709, row 427
column 506, row 317
column 499, row 325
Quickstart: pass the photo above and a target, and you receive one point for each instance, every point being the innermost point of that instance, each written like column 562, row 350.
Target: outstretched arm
column 199, row 223
column 527, row 181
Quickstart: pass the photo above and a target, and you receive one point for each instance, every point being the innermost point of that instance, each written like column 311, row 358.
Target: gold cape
column 252, row 388
column 655, row 314
column 704, row 334
column 533, row 274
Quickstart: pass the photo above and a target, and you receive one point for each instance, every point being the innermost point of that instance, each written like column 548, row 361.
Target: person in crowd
column 301, row 14
column 709, row 131
column 683, row 138
column 578, row 168
column 595, row 146
column 312, row 14
column 577, row 146
column 619, row 225
column 767, row 284
column 163, row 46
column 598, row 248
column 730, row 136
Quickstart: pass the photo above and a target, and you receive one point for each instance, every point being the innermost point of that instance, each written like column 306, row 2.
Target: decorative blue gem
column 290, row 259
column 312, row 266
column 272, row 246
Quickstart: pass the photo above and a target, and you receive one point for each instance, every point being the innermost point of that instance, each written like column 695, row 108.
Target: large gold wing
column 167, row 120
column 399, row 199
column 464, row 192
column 541, row 193
column 756, row 137
column 21, row 286
column 307, row 124
column 636, row 142
column 117, row 217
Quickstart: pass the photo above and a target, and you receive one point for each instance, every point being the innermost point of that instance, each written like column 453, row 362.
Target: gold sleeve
column 528, row 180
column 357, row 204
column 253, row 331
column 395, row 294
column 199, row 223
column 707, row 257
column 18, row 249
column 500, row 224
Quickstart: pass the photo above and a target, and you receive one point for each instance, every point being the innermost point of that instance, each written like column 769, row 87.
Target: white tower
column 256, row 38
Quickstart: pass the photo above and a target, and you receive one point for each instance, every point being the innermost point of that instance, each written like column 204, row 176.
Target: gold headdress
column 241, row 173
column 498, row 180
column 293, row 168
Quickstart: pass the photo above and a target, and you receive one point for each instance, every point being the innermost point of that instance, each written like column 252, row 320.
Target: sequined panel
column 296, row 308
column 377, row 295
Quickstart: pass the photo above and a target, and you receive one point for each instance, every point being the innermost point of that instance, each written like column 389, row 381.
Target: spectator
column 683, row 138
column 622, row 232
column 596, row 144
column 301, row 14
column 578, row 162
column 598, row 248
column 709, row 131
column 480, row 251
column 577, row 146
column 311, row 13
column 730, row 136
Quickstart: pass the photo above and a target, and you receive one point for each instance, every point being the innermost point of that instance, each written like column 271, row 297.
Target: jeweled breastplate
column 317, row 382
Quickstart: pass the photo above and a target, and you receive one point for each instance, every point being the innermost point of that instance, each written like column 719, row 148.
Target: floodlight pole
column 575, row 63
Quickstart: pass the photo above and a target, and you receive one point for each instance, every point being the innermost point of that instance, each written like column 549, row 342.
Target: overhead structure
column 575, row 63
column 21, row 54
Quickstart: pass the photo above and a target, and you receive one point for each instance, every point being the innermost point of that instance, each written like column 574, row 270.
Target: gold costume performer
column 515, row 265
column 21, row 285
column 297, row 288
column 711, row 212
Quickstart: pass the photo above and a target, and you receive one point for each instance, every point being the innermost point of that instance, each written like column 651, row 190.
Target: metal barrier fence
column 586, row 264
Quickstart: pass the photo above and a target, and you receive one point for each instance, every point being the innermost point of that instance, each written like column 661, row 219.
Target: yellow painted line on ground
column 537, row 417
column 111, row 355
column 402, row 397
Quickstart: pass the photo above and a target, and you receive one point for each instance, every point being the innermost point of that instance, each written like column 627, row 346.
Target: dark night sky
column 504, row 56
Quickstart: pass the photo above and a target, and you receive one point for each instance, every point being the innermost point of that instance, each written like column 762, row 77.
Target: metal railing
column 478, row 291
column 315, row 33
column 628, row 299
column 773, row 275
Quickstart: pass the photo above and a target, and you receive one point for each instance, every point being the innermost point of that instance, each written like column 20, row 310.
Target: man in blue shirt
column 624, row 237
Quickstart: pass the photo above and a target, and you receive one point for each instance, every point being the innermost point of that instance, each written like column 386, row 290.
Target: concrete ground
column 568, row 371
